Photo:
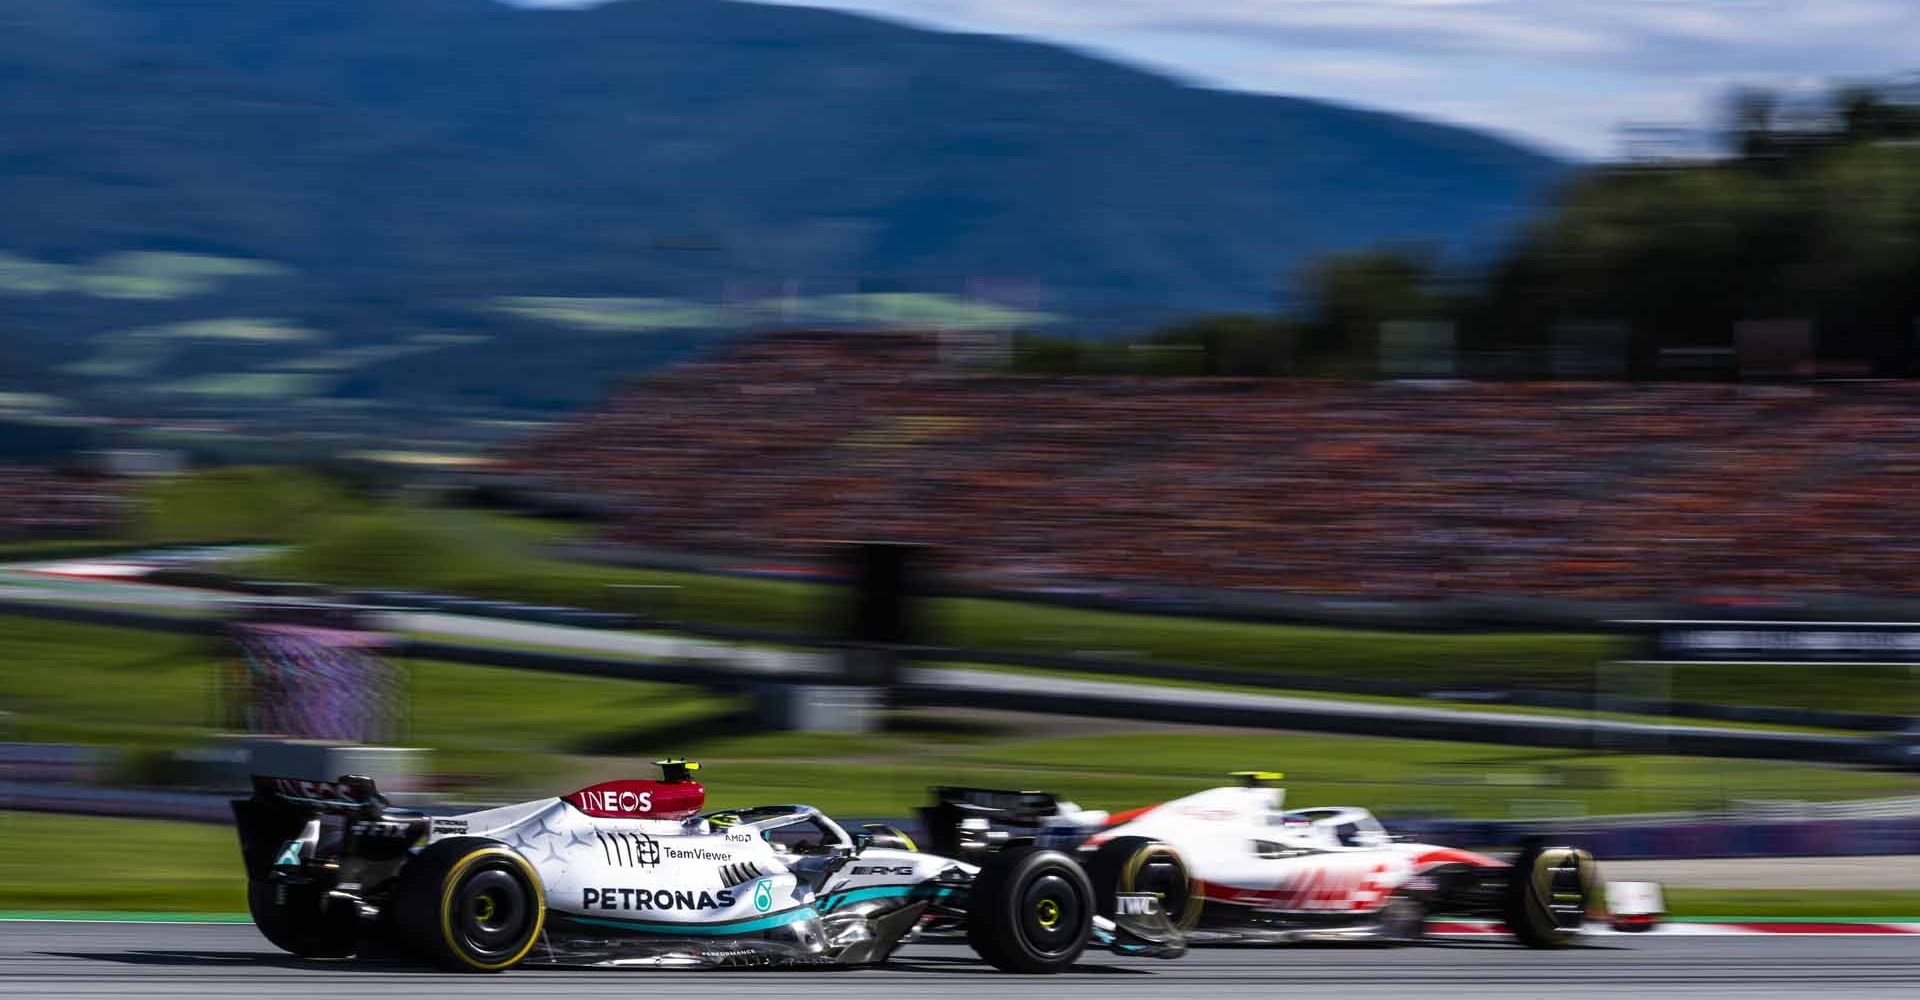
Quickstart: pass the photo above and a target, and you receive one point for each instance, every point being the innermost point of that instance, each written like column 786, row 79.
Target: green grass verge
column 61, row 548
column 101, row 863
column 1806, row 904
column 480, row 554
column 499, row 734
column 1521, row 659
column 1417, row 776
column 146, row 692
column 1375, row 699
column 243, row 504
column 486, row 554
column 340, row 539
column 237, row 505
column 86, row 684
column 1573, row 662
column 494, row 555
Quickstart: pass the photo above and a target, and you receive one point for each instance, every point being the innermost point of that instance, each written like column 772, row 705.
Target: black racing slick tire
column 1403, row 920
column 470, row 904
column 1142, row 864
column 297, row 920
column 1030, row 911
column 1547, row 895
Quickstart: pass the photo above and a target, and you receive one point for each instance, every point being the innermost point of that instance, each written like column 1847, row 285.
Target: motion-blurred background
column 496, row 398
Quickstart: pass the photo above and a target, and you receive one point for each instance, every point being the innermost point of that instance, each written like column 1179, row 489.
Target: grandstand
column 39, row 503
column 1409, row 490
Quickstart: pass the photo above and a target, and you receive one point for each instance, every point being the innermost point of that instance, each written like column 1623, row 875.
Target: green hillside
column 331, row 212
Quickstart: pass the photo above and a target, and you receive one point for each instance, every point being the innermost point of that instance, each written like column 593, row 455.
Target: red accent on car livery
column 629, row 799
column 1130, row 815
column 1452, row 856
column 1311, row 889
column 1460, row 928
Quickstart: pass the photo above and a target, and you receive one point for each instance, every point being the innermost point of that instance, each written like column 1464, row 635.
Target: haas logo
column 1339, row 888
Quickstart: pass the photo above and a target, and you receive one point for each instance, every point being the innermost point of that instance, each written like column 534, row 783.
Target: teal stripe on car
column 839, row 899
column 772, row 920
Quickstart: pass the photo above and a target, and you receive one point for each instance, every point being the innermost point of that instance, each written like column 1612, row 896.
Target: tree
column 1235, row 344
column 1350, row 294
column 1752, row 113
column 1866, row 116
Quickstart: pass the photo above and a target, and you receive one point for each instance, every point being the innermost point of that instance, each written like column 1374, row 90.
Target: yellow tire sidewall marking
column 1542, row 876
column 1130, row 874
column 452, row 882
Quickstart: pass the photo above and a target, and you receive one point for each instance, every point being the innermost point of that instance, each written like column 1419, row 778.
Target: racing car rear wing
column 347, row 793
column 349, row 809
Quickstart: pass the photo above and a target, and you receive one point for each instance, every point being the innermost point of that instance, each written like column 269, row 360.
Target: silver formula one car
column 1232, row 865
column 630, row 873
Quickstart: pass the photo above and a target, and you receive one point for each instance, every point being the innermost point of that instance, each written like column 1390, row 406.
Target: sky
column 1562, row 74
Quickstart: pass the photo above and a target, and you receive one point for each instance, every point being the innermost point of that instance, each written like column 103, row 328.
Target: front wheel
column 297, row 920
column 1030, row 910
column 470, row 904
column 1546, row 896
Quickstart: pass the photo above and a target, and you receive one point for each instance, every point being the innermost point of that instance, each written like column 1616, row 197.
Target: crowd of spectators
column 1390, row 489
column 37, row 503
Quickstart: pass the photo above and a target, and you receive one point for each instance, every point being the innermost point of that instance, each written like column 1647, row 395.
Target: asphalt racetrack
column 231, row 960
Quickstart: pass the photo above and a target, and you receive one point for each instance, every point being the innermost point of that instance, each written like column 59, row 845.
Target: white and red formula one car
column 1233, row 865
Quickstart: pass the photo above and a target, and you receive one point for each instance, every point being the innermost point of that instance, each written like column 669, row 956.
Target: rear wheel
column 296, row 919
column 1030, row 910
column 1142, row 864
column 1547, row 893
column 471, row 905
column 1403, row 920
